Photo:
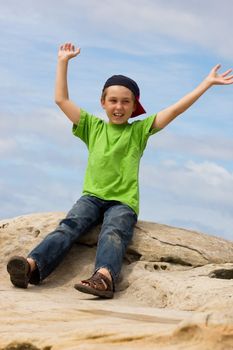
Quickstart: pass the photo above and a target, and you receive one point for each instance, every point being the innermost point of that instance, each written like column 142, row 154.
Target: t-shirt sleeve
column 85, row 126
column 144, row 130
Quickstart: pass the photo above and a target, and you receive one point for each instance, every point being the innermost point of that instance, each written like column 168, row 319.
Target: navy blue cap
column 131, row 85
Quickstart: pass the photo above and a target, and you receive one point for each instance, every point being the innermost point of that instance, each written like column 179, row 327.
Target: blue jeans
column 118, row 221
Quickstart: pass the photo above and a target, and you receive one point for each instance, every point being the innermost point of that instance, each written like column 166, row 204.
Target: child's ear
column 102, row 101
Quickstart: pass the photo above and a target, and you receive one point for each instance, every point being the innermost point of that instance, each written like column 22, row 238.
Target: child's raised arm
column 65, row 53
column 165, row 116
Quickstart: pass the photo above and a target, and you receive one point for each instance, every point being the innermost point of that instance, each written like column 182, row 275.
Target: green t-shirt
column 114, row 156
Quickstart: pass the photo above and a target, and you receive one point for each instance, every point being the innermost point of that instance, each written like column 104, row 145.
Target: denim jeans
column 118, row 221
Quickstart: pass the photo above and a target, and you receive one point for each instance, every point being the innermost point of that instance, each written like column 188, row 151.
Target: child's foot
column 19, row 269
column 98, row 285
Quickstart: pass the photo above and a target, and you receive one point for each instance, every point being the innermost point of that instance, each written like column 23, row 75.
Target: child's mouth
column 118, row 115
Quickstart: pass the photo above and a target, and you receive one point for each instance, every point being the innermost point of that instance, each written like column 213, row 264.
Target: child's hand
column 219, row 79
column 67, row 51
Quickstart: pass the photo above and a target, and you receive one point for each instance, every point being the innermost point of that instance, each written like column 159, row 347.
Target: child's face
column 119, row 104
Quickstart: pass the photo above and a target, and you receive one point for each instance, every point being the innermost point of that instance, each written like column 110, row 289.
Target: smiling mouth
column 118, row 114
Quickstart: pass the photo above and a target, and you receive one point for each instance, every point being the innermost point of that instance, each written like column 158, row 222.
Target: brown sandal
column 98, row 285
column 19, row 270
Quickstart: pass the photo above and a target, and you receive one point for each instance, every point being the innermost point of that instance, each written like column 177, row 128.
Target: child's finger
column 216, row 67
column 229, row 78
column 77, row 51
column 226, row 73
column 67, row 46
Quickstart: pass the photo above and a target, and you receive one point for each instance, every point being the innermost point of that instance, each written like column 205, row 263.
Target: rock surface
column 175, row 292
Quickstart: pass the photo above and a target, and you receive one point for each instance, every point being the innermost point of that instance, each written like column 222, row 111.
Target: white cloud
column 180, row 20
column 207, row 146
column 191, row 195
column 200, row 184
column 7, row 146
column 211, row 174
column 139, row 26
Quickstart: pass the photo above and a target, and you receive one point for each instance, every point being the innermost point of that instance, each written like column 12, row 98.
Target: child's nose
column 119, row 105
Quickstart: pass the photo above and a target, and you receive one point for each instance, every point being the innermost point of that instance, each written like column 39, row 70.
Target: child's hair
column 104, row 93
column 129, row 83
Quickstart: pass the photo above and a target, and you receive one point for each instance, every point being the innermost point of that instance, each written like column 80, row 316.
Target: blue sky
column 168, row 47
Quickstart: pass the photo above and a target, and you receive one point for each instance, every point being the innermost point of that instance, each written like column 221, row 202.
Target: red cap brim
column 139, row 109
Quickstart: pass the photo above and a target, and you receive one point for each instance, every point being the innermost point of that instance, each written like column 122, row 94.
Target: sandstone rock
column 155, row 242
column 175, row 292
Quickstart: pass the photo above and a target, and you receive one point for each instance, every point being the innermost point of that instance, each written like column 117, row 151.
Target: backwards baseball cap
column 132, row 86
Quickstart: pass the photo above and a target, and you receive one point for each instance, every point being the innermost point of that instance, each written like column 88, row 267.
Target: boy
column 110, row 192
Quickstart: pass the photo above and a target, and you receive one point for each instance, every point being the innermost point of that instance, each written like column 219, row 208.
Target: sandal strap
column 96, row 281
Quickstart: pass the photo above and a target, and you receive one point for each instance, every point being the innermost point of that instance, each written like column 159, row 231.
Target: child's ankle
column 105, row 272
column 32, row 264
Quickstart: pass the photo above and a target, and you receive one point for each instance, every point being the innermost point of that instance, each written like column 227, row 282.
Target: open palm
column 220, row 79
column 67, row 51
